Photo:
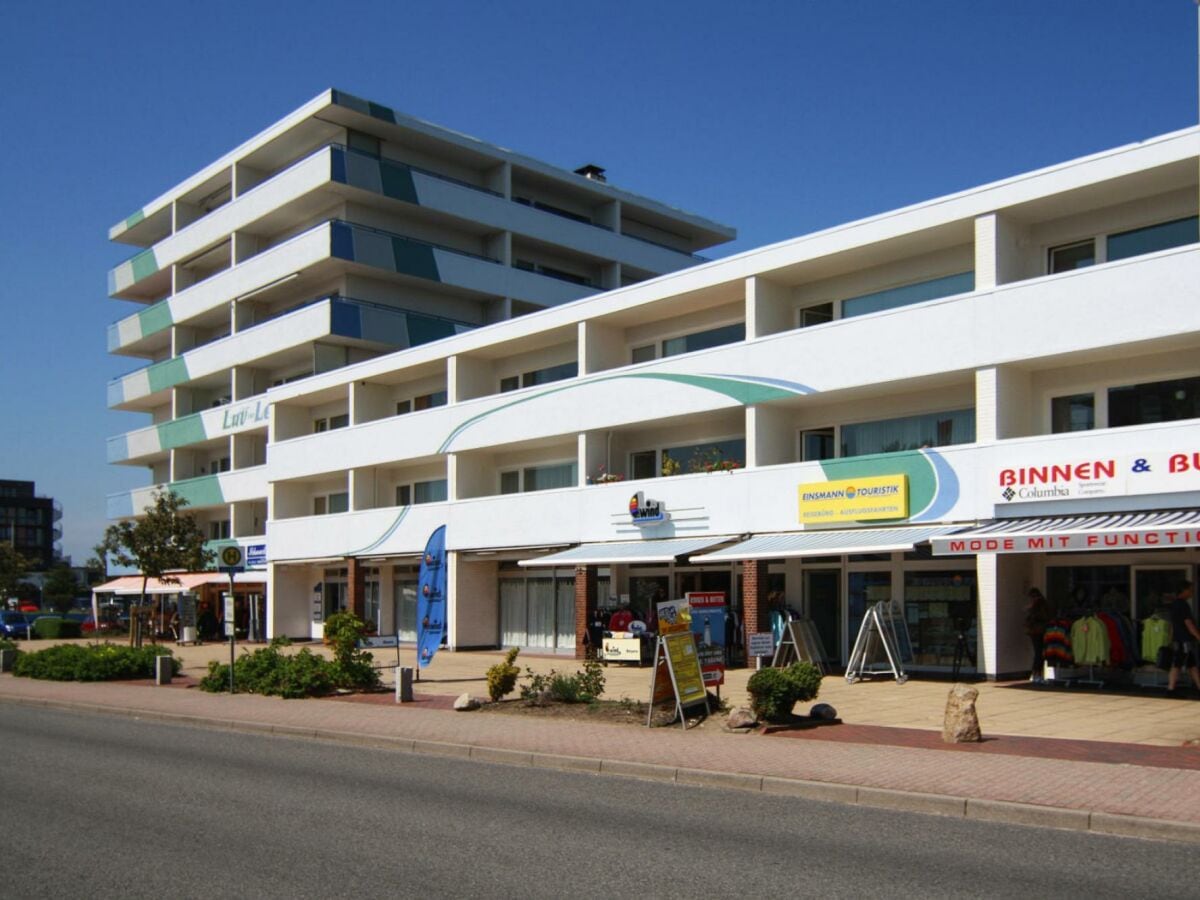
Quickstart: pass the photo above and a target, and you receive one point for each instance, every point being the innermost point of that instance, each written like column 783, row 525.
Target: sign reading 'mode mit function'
column 854, row 500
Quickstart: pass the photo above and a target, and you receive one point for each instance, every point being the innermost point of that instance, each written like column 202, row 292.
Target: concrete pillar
column 770, row 437
column 768, row 308
column 986, row 571
column 756, row 614
column 369, row 402
column 999, row 253
column 585, row 606
column 601, row 347
column 1002, row 404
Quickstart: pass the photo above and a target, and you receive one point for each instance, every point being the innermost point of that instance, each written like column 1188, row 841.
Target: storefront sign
column 256, row 556
column 762, row 643
column 1050, row 542
column 627, row 650
column 646, row 512
column 708, row 628
column 854, row 499
column 1160, row 472
column 673, row 616
column 431, row 598
column 676, row 675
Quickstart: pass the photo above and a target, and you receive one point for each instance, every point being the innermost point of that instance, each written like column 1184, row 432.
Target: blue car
column 14, row 625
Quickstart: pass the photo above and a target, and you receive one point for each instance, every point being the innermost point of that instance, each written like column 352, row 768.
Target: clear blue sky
column 776, row 117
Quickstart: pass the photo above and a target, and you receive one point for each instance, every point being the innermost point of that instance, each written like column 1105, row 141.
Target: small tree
column 163, row 540
column 60, row 588
column 13, row 567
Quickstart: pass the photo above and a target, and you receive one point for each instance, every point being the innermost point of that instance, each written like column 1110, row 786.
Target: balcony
column 205, row 492
column 273, row 342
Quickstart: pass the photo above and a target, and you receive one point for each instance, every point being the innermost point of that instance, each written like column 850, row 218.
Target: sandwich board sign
column 677, row 675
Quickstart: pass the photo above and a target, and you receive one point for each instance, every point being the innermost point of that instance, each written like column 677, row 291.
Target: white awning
column 1059, row 534
column 650, row 551
column 827, row 543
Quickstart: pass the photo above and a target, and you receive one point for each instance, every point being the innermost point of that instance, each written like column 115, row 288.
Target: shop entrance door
column 404, row 610
column 1156, row 586
column 823, row 604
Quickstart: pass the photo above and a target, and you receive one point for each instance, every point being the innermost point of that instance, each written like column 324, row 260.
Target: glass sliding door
column 512, row 612
column 405, row 610
column 565, row 614
column 540, row 624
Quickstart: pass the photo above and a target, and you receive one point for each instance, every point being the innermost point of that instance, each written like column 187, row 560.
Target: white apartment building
column 344, row 231
column 1013, row 371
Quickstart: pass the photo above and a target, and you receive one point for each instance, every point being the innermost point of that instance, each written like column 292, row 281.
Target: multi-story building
column 30, row 523
column 938, row 407
column 341, row 232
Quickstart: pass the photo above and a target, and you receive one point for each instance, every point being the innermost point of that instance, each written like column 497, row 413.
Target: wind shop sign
column 646, row 512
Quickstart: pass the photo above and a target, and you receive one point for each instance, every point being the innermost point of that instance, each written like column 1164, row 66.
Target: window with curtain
column 907, row 294
column 939, row 429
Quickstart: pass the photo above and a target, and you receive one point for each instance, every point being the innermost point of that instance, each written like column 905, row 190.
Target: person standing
column 1037, row 617
column 1184, row 635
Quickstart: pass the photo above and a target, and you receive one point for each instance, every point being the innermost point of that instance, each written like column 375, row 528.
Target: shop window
column 909, row 433
column 1072, row 256
column 1158, row 401
column 643, row 464
column 816, row 315
column 430, row 491
column 940, row 609
column 863, row 590
column 1075, row 590
column 644, row 354
column 1076, row 412
column 707, row 457
column 1152, row 238
column 817, row 443
column 702, row 340
column 907, row 294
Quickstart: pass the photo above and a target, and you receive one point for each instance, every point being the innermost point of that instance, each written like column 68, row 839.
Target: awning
column 603, row 554
column 827, row 543
column 188, row 581
column 1058, row 534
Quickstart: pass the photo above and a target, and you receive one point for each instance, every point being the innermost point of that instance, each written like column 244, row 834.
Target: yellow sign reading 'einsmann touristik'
column 854, row 499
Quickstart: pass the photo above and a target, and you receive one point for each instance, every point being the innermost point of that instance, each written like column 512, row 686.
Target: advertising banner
column 431, row 598
column 685, row 666
column 1019, row 477
column 673, row 616
column 1051, row 542
column 708, row 627
column 854, row 500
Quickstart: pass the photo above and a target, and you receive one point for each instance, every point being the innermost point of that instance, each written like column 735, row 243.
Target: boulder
column 740, row 719
column 961, row 725
column 822, row 711
column 466, row 702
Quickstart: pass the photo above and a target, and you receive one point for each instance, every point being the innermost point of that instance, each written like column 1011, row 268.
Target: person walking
column 1037, row 617
column 1184, row 635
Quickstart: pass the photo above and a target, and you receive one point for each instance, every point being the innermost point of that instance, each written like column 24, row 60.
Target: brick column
column 585, row 606
column 356, row 586
column 756, row 614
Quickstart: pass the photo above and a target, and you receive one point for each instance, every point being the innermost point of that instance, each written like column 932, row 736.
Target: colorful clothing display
column 1089, row 642
column 1156, row 633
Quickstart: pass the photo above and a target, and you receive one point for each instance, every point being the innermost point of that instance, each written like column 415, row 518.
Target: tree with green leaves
column 13, row 567
column 163, row 540
column 60, row 588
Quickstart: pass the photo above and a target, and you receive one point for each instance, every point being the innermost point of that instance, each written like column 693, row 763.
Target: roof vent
column 591, row 172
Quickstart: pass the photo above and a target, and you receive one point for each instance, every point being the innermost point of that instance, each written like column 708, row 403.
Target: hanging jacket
column 1056, row 643
column 1156, row 633
column 1089, row 642
column 1117, row 654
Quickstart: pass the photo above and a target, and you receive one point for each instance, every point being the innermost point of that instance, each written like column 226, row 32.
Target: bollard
column 7, row 658
column 162, row 670
column 404, row 683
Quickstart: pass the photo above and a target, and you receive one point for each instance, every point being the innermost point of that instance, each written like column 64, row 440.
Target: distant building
column 30, row 523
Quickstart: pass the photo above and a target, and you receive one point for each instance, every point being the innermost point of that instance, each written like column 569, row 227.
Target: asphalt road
column 92, row 806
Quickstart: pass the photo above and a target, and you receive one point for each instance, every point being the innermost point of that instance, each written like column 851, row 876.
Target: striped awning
column 1155, row 530
column 602, row 554
column 827, row 543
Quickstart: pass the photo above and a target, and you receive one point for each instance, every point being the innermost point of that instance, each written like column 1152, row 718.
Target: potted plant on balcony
column 603, row 476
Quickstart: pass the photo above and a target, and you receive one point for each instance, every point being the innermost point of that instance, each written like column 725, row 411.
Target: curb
column 1027, row 814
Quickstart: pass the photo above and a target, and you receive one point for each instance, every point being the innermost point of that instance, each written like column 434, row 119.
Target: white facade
column 1039, row 333
column 344, row 231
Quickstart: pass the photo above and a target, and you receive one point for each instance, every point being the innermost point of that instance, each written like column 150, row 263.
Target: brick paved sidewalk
column 1074, row 790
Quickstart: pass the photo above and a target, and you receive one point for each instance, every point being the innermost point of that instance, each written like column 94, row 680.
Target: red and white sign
column 1050, row 542
column 708, row 625
column 1154, row 472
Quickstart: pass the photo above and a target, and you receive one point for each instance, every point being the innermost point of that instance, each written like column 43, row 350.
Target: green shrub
column 267, row 671
column 6, row 644
column 773, row 692
column 92, row 662
column 502, row 677
column 352, row 665
column 580, row 687
column 54, row 627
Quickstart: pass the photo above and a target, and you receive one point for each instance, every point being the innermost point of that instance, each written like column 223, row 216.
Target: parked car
column 14, row 625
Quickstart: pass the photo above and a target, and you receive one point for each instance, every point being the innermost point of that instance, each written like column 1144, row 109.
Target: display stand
column 800, row 643
column 883, row 633
column 677, row 675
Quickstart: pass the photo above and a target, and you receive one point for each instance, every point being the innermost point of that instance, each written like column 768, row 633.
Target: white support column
column 1003, row 404
column 769, row 440
column 362, row 488
column 369, row 402
column 999, row 251
column 601, row 347
column 986, row 573
column 768, row 307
